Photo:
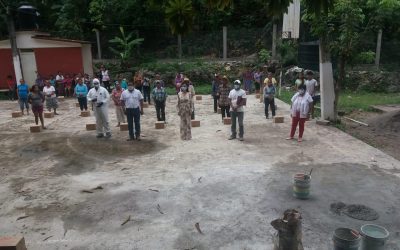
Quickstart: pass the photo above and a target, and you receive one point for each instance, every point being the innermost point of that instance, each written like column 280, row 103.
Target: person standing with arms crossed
column 132, row 102
column 237, row 98
column 99, row 97
column 81, row 92
column 224, row 102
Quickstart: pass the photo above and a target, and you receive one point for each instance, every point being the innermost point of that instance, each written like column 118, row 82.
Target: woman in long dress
column 185, row 108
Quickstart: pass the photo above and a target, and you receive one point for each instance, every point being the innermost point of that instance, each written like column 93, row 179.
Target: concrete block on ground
column 12, row 243
column 258, row 96
column 322, row 122
column 279, row 119
column 160, row 125
column 219, row 110
column 48, row 115
column 199, row 97
column 227, row 121
column 91, row 126
column 16, row 114
column 60, row 97
column 85, row 113
column 257, row 91
column 145, row 105
column 35, row 128
column 77, row 104
column 195, row 123
column 247, row 92
column 123, row 127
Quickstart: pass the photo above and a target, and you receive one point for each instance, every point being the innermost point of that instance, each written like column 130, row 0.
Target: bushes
column 367, row 57
column 287, row 50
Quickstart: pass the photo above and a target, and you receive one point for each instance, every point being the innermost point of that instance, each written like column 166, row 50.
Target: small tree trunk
column 274, row 35
column 328, row 104
column 180, row 46
column 378, row 49
column 98, row 43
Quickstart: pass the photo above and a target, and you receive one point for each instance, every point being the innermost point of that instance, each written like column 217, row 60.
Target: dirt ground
column 165, row 186
column 383, row 130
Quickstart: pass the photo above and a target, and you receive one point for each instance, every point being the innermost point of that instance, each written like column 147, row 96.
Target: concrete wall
column 51, row 60
column 87, row 59
column 25, row 41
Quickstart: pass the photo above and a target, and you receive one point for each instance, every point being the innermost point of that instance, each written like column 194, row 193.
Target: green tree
column 124, row 46
column 275, row 9
column 179, row 16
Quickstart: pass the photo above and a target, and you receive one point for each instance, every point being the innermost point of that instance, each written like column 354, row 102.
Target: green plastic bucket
column 346, row 239
column 301, row 186
column 373, row 237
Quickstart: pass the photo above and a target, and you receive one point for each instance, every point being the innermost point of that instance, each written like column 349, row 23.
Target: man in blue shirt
column 23, row 91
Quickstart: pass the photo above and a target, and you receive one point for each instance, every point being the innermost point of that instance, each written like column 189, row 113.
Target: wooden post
column 378, row 49
column 225, row 42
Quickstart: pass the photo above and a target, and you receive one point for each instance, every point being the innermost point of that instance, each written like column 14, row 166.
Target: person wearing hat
column 185, row 108
column 237, row 98
column 132, row 102
column 214, row 91
column 159, row 96
column 116, row 97
column 301, row 102
column 223, row 93
column 99, row 96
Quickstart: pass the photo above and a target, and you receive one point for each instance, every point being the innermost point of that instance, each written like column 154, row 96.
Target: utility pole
column 13, row 42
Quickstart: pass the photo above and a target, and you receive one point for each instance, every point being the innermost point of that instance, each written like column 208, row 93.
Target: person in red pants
column 299, row 111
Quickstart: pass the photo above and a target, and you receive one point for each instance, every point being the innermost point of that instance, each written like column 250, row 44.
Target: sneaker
column 300, row 139
column 289, row 138
column 130, row 139
column 266, row 117
column 232, row 137
column 240, row 138
column 99, row 136
column 138, row 138
column 108, row 135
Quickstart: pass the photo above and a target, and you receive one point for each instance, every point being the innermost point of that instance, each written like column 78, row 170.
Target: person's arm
column 122, row 100
column 30, row 98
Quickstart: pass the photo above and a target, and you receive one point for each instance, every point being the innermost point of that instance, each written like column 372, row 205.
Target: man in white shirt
column 132, row 102
column 237, row 98
column 99, row 97
column 312, row 85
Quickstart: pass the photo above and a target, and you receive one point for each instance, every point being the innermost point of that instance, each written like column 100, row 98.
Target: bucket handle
column 355, row 233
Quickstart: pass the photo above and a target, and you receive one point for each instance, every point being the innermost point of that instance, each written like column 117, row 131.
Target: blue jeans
column 23, row 102
column 133, row 116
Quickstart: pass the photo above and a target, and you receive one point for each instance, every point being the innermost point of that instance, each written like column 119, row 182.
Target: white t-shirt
column 105, row 76
column 49, row 91
column 233, row 95
column 301, row 104
column 59, row 77
column 311, row 84
column 132, row 99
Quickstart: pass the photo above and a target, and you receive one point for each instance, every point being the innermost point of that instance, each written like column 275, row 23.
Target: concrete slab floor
column 232, row 189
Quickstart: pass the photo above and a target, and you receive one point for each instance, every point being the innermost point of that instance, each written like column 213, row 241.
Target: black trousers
column 160, row 109
column 269, row 102
column 146, row 93
column 82, row 103
column 133, row 117
column 215, row 103
column 225, row 111
column 106, row 85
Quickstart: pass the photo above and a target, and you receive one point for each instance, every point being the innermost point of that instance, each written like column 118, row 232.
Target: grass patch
column 200, row 90
column 350, row 101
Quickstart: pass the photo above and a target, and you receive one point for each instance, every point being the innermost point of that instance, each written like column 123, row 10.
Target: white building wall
column 87, row 59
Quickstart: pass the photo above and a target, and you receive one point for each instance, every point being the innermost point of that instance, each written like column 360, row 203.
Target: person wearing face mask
column 51, row 98
column 99, row 96
column 159, row 96
column 132, row 102
column 301, row 102
column 116, row 97
column 185, row 108
column 237, row 98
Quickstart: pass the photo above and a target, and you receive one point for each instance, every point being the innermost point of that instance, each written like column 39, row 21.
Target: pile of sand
column 388, row 122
